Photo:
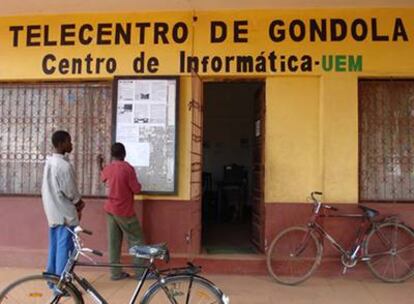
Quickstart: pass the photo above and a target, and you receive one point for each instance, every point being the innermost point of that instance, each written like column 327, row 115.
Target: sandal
column 121, row 276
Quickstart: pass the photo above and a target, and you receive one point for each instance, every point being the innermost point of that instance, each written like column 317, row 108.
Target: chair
column 233, row 175
column 232, row 191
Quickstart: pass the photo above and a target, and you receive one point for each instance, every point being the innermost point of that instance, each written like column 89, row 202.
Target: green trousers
column 117, row 227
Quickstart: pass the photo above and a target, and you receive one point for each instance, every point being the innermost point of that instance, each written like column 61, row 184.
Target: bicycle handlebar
column 78, row 243
column 87, row 232
column 315, row 193
column 318, row 203
column 330, row 207
column 95, row 252
column 79, row 229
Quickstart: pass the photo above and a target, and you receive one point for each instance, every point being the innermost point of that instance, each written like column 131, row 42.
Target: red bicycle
column 385, row 244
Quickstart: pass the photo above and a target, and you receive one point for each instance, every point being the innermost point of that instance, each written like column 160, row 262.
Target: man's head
column 118, row 151
column 62, row 142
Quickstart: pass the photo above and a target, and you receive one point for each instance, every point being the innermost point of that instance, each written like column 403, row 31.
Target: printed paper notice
column 146, row 124
column 138, row 154
column 126, row 90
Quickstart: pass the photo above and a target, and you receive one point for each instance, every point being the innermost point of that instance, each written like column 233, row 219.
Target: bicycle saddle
column 369, row 212
column 157, row 251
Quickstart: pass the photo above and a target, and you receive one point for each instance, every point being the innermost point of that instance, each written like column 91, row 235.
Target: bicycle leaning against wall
column 386, row 244
column 172, row 286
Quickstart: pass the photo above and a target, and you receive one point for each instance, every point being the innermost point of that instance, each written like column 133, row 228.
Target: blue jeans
column 60, row 246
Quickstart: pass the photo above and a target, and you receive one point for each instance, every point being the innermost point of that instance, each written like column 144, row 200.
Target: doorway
column 229, row 178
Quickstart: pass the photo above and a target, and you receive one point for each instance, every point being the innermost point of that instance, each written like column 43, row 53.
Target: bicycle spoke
column 297, row 262
column 379, row 260
column 291, row 248
column 22, row 293
column 295, row 267
column 35, row 289
column 403, row 261
column 188, row 292
column 293, row 255
column 383, row 239
column 12, row 299
column 184, row 289
column 291, row 268
column 386, row 268
column 394, row 263
column 406, row 248
column 304, row 263
column 385, row 253
column 393, row 266
column 395, row 239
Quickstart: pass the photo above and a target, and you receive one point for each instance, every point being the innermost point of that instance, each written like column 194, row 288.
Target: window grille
column 30, row 113
column 386, row 137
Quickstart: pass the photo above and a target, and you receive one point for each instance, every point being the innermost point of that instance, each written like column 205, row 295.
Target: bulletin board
column 145, row 121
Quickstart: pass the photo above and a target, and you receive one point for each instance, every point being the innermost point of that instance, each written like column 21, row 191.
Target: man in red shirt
column 122, row 182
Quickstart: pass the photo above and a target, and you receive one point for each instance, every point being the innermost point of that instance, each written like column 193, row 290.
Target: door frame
column 196, row 194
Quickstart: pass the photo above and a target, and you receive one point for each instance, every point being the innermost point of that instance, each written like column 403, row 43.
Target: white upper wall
column 35, row 7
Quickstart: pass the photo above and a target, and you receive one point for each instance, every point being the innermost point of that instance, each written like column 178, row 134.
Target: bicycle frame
column 366, row 224
column 363, row 229
column 69, row 275
column 151, row 268
column 172, row 285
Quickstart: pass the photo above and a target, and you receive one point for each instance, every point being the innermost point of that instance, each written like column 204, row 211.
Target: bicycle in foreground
column 386, row 244
column 174, row 286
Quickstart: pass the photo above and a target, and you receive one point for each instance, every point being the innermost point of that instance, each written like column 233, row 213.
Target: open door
column 196, row 107
column 258, row 210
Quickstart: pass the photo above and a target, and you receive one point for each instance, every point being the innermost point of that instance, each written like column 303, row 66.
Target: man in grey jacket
column 62, row 202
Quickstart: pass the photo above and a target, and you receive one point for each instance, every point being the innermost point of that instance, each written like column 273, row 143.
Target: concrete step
column 245, row 264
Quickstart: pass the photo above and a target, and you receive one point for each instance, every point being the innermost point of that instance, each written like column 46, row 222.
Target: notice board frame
column 116, row 80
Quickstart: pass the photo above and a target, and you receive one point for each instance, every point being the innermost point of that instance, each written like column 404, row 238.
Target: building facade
column 333, row 111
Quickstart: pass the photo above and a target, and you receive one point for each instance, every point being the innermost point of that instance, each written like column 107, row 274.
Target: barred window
column 30, row 113
column 386, row 138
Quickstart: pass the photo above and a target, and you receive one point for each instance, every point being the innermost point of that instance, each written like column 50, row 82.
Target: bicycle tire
column 389, row 249
column 35, row 289
column 288, row 268
column 176, row 290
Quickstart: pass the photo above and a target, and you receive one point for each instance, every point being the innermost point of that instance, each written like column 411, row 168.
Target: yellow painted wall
column 292, row 150
column 18, row 60
column 311, row 138
column 311, row 118
column 339, row 144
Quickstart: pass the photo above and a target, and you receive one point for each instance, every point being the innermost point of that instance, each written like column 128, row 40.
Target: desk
column 209, row 198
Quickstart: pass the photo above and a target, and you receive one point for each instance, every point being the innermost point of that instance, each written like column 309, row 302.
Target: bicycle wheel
column 389, row 250
column 184, row 289
column 35, row 289
column 293, row 255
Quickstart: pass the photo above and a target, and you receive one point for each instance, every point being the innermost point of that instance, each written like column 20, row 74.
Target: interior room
column 228, row 146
